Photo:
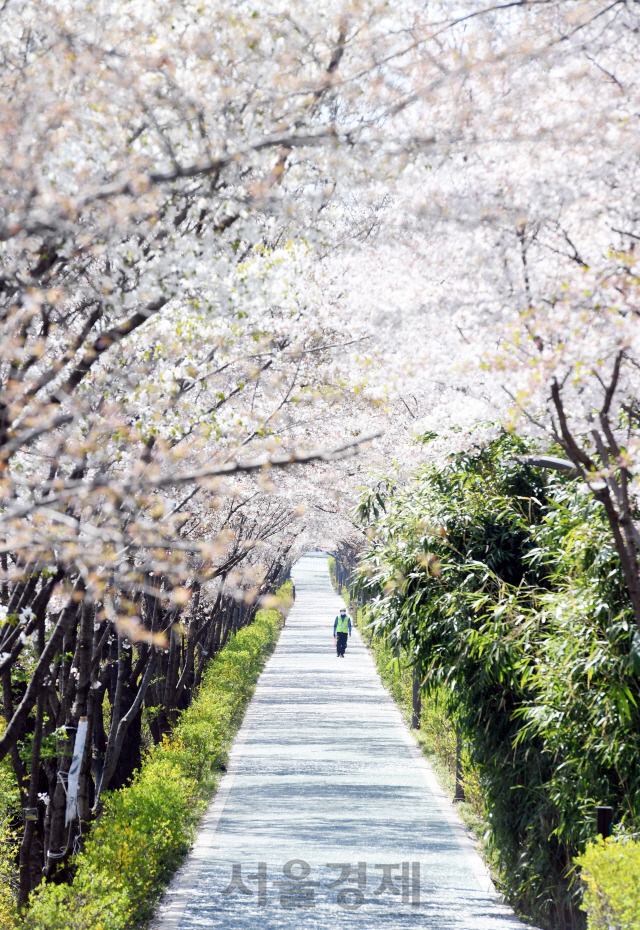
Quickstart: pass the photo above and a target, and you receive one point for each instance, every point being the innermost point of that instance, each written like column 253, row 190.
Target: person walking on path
column 342, row 629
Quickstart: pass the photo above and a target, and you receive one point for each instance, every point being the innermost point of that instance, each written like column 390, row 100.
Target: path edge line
column 455, row 822
column 176, row 897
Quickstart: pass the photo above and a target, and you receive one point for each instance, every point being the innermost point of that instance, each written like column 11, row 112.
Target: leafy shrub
column 8, row 853
column 611, row 873
column 9, row 803
column 146, row 828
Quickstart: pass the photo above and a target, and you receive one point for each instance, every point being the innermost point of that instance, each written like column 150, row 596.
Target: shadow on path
column 328, row 813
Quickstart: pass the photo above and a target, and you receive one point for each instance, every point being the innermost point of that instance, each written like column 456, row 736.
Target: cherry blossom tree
column 239, row 239
column 502, row 277
column 160, row 168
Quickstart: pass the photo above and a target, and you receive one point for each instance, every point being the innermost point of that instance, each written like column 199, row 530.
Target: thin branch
column 50, row 374
column 578, row 455
column 26, row 438
column 411, row 413
column 612, row 385
column 101, row 344
column 230, row 468
column 604, row 71
column 622, row 232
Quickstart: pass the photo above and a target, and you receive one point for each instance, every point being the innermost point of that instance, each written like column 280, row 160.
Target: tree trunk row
column 80, row 669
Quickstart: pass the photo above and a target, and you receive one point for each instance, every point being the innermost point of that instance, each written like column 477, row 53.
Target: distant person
column 342, row 629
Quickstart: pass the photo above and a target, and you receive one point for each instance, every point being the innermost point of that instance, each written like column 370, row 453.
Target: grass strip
column 147, row 828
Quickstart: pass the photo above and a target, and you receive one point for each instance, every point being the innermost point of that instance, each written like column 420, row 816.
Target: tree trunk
column 27, row 879
column 416, row 700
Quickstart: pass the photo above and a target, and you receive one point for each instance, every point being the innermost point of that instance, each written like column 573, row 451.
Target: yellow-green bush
column 611, row 875
column 146, row 828
column 8, row 852
column 9, row 804
column 283, row 600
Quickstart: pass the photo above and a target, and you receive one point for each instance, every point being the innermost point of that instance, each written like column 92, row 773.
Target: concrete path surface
column 328, row 814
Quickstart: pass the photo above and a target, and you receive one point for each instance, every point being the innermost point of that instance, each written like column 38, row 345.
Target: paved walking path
column 328, row 813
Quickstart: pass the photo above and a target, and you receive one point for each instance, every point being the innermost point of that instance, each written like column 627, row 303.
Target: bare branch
column 231, row 468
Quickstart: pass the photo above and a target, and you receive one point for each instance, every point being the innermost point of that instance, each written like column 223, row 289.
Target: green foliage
column 146, row 828
column 503, row 587
column 9, row 803
column 284, row 595
column 611, row 873
column 394, row 672
column 357, row 613
column 333, row 575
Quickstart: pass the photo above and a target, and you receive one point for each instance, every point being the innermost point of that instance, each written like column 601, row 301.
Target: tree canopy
column 251, row 251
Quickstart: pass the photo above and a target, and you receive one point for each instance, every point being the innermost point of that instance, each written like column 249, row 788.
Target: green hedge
column 503, row 585
column 9, row 839
column 611, row 874
column 147, row 828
